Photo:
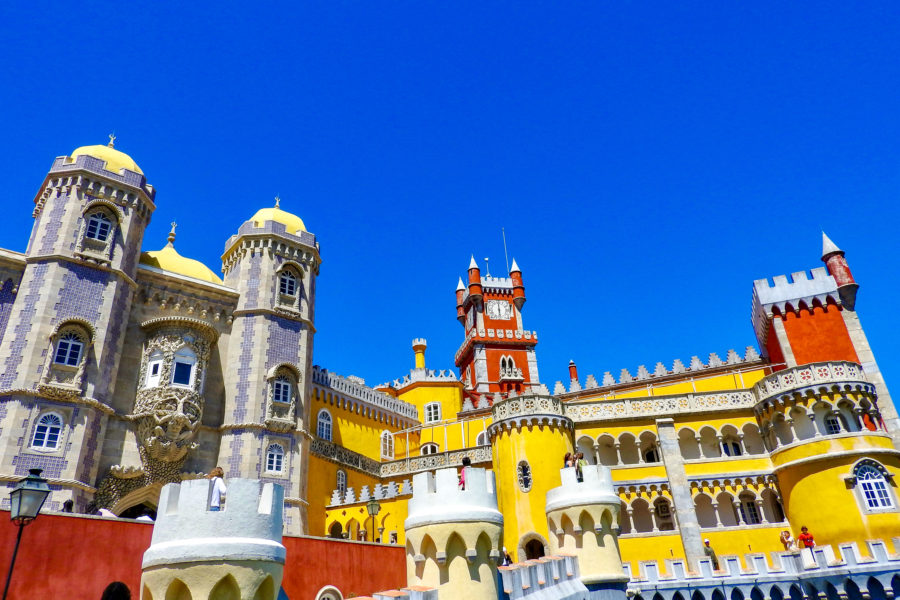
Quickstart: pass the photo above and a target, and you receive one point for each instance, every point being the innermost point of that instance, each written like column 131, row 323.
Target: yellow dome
column 292, row 223
column 168, row 259
column 115, row 160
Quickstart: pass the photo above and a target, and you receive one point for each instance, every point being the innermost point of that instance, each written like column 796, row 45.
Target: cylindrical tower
column 453, row 535
column 419, row 345
column 530, row 436
column 515, row 274
column 583, row 518
column 232, row 553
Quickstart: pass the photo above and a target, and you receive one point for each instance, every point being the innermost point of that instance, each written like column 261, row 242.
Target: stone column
column 681, row 491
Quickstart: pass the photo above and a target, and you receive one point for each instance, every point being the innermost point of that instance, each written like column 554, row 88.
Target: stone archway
column 532, row 545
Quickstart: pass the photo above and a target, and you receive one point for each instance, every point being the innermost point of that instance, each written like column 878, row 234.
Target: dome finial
column 172, row 233
column 277, row 201
column 112, row 139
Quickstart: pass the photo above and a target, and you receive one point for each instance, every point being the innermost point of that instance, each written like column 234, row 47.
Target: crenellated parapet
column 528, row 409
column 785, row 294
column 555, row 577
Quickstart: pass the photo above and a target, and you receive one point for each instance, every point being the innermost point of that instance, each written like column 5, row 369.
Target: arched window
column 832, row 425
column 731, row 447
column 873, row 485
column 287, row 283
column 98, row 227
column 387, row 445
column 69, row 348
column 154, row 369
column 524, row 473
column 323, row 425
column 275, row 458
column 433, row 412
column 47, row 432
column 430, row 449
column 749, row 510
column 481, row 440
column 282, row 389
column 183, row 367
column 341, row 482
column 651, row 455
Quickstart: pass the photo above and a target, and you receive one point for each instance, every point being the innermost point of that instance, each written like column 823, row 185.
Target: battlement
column 497, row 284
column 595, row 489
column 801, row 286
column 421, row 375
column 554, row 577
column 248, row 528
column 364, row 394
column 813, row 568
column 437, row 498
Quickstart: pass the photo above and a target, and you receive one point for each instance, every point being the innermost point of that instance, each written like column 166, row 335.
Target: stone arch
column 266, row 590
column 847, row 414
column 640, row 516
column 608, row 455
column 795, row 592
column 784, row 435
column 226, row 589
column 852, row 590
column 329, row 592
column 335, row 531
column 876, row 589
column 146, row 594
column 709, row 442
column 717, row 595
column 528, row 546
column 428, row 549
column 178, row 591
column 727, row 514
column 775, row 593
column 148, row 494
column 757, row 594
column 731, row 440
column 687, row 443
column 625, row 526
column 821, row 411
column 677, row 596
column 753, row 442
column 737, row 594
column 657, row 596
column 648, row 447
column 628, row 448
column 586, row 446
column 803, row 423
column 772, row 509
column 706, row 514
column 831, row 592
column 455, row 564
column 697, row 595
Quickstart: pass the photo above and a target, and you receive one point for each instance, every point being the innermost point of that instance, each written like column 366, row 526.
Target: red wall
column 76, row 557
column 819, row 336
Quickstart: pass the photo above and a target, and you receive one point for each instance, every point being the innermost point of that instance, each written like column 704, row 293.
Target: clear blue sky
column 648, row 161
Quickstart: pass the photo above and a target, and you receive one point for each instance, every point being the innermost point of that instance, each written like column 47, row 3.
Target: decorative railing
column 417, row 375
column 511, row 374
column 430, row 462
column 501, row 334
column 363, row 393
column 810, row 375
column 348, row 458
column 604, row 410
column 517, row 406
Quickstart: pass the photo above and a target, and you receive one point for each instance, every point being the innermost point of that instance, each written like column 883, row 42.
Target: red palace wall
column 76, row 557
column 819, row 336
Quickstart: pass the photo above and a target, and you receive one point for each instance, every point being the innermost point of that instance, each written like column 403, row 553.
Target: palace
column 122, row 370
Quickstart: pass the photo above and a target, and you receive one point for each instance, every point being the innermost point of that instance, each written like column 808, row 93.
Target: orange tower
column 497, row 355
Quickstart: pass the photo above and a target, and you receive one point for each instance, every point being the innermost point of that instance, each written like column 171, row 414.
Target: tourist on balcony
column 569, row 460
column 466, row 462
column 580, row 463
column 218, row 489
column 788, row 541
column 806, row 538
column 711, row 554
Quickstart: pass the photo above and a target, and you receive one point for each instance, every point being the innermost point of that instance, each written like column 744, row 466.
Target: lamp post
column 374, row 508
column 26, row 501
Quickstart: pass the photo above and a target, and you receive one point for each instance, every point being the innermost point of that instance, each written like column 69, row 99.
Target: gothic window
column 287, row 283
column 323, row 425
column 749, row 511
column 99, row 227
column 651, row 455
column 387, row 445
column 282, row 389
column 275, row 458
column 430, row 449
column 524, row 473
column 432, row 412
column 154, row 369
column 47, row 432
column 68, row 349
column 481, row 440
column 731, row 447
column 183, row 367
column 871, row 479
column 342, row 482
column 832, row 425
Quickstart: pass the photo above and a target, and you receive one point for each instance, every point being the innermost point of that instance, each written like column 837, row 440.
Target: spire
column 829, row 247
column 472, row 263
column 112, row 139
column 460, row 286
column 277, row 201
column 172, row 234
column 515, row 267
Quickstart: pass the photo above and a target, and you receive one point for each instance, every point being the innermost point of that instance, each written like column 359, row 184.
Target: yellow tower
column 530, row 437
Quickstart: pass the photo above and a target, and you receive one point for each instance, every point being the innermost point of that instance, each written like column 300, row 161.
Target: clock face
column 499, row 310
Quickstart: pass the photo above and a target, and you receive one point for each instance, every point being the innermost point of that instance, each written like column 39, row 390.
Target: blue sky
column 648, row 161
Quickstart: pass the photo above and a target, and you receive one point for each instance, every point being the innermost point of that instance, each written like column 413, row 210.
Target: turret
column 515, row 273
column 419, row 345
column 453, row 535
column 460, row 299
column 833, row 257
column 583, row 519
column 475, row 281
column 573, row 371
column 233, row 553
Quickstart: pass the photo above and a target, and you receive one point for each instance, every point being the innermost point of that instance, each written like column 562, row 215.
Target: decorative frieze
column 343, row 456
column 430, row 462
column 658, row 406
column 841, row 375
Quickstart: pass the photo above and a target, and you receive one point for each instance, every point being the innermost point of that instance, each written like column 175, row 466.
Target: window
column 873, row 487
column 287, row 283
column 524, row 473
column 433, row 412
column 275, row 458
column 387, row 445
column 98, row 227
column 430, row 449
column 323, row 425
column 154, row 369
column 651, row 455
column 342, row 482
column 183, row 367
column 481, row 440
column 832, row 425
column 46, row 433
column 68, row 349
column 750, row 512
column 731, row 448
column 282, row 390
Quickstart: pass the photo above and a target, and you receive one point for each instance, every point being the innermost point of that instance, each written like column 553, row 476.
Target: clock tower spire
column 497, row 355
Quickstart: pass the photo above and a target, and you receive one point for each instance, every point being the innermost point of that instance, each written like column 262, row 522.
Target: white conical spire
column 472, row 263
column 514, row 267
column 828, row 247
column 460, row 285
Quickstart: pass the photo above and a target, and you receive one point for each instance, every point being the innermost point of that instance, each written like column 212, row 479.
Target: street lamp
column 374, row 508
column 26, row 501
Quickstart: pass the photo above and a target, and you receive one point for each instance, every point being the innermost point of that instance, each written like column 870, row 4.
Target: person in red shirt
column 806, row 538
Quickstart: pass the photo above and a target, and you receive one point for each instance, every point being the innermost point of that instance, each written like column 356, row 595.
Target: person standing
column 466, row 463
column 580, row 463
column 218, row 489
column 806, row 538
column 788, row 541
column 708, row 550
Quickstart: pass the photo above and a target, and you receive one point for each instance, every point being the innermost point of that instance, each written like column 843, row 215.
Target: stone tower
column 583, row 520
column 453, row 535
column 62, row 323
column 497, row 355
column 272, row 262
column 231, row 554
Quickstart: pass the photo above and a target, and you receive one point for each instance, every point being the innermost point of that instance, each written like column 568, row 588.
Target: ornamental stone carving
column 167, row 419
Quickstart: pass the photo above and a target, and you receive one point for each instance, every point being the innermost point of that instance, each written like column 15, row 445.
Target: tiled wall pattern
column 24, row 322
column 7, row 297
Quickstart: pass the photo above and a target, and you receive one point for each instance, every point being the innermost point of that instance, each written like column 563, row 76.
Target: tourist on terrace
column 711, row 554
column 788, row 541
column 218, row 489
column 806, row 538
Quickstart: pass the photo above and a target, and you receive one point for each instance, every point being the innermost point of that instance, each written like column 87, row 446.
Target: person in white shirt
column 218, row 489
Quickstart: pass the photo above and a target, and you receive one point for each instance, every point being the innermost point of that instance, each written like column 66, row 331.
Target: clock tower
column 497, row 355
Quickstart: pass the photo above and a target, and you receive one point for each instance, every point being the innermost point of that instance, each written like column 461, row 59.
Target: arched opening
column 649, row 448
column 803, row 423
column 783, row 432
column 226, row 589
column 640, row 516
column 753, row 442
column 628, row 449
column 772, row 509
column 586, row 446
column 709, row 443
column 737, row 594
column 852, row 590
column 664, row 515
column 534, row 549
column 608, row 454
column 178, row 591
column 876, row 590
column 335, row 531
column 266, row 590
column 329, row 592
column 146, row 594
column 624, row 522
column 706, row 514
column 727, row 514
column 687, row 443
column 756, row 594
column 116, row 591
column 731, row 441
column 697, row 595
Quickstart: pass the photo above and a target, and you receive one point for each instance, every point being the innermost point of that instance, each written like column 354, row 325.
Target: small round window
column 524, row 472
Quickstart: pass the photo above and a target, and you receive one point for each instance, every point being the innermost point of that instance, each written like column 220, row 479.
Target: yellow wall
column 354, row 430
